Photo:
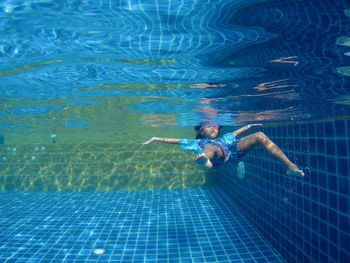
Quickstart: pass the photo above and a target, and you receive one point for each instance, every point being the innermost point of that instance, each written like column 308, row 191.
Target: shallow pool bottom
column 182, row 225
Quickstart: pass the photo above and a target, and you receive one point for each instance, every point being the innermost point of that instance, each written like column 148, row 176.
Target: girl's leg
column 259, row 138
column 210, row 152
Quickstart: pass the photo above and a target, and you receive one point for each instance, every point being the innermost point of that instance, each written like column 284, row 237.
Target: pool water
column 84, row 83
column 182, row 225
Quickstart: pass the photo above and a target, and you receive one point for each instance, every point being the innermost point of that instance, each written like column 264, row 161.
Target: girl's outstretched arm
column 244, row 128
column 166, row 140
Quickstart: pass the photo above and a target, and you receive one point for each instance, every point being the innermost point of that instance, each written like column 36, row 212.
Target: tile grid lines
column 154, row 226
column 18, row 235
column 313, row 137
column 136, row 200
column 312, row 231
column 242, row 204
column 298, row 209
column 101, row 226
column 167, row 223
column 176, row 223
column 238, row 222
column 159, row 226
column 185, row 226
column 148, row 233
column 129, row 215
column 219, row 229
column 203, row 224
column 162, row 244
column 317, row 153
column 123, row 235
column 224, row 210
column 42, row 250
column 261, row 252
column 222, row 218
column 260, row 228
column 102, row 213
column 124, row 254
column 301, row 195
column 112, row 215
column 274, row 194
column 180, row 225
column 302, row 139
column 204, row 249
column 80, row 237
column 100, row 231
column 138, row 243
column 72, row 241
column 297, row 179
column 217, row 218
column 171, row 229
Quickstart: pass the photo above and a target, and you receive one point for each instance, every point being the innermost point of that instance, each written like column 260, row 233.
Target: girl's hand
column 150, row 140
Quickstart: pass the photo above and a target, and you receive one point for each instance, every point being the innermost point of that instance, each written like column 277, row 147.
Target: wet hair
column 199, row 135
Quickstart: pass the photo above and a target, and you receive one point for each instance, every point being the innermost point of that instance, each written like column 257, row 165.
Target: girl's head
column 207, row 131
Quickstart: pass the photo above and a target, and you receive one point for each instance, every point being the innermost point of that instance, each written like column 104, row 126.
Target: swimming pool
column 84, row 83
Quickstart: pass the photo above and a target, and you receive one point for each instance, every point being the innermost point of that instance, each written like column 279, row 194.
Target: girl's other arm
column 166, row 140
column 244, row 128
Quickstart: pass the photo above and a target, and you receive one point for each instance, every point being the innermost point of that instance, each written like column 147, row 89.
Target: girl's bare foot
column 202, row 159
column 294, row 170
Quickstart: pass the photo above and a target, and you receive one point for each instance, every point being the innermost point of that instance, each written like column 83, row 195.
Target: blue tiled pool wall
column 306, row 219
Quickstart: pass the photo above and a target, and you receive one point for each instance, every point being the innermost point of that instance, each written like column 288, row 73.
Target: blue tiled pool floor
column 183, row 225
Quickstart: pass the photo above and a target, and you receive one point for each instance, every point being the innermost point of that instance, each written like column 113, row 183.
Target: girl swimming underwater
column 213, row 150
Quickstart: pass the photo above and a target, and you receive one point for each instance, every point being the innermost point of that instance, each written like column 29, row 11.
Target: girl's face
column 210, row 132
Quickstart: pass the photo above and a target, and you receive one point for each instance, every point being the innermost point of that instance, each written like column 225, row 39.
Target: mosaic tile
column 314, row 209
column 183, row 225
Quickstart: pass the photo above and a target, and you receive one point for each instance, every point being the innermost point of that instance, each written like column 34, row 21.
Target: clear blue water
column 85, row 68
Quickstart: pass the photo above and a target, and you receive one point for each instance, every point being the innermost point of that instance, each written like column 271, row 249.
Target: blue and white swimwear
column 227, row 143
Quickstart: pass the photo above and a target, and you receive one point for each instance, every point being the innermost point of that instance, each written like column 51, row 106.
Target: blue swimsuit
column 227, row 144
